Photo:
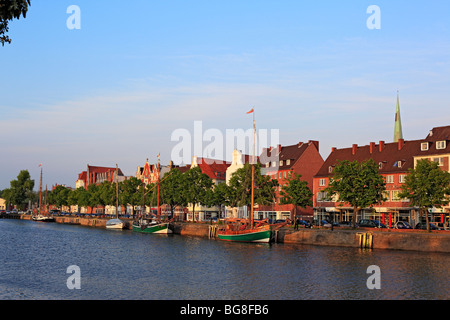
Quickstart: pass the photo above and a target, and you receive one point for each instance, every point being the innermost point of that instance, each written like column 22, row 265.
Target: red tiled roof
column 215, row 169
column 292, row 152
column 389, row 156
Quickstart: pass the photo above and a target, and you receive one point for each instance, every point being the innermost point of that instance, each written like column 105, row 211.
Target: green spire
column 398, row 133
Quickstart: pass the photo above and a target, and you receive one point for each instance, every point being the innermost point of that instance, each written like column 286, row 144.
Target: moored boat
column 43, row 218
column 115, row 224
column 151, row 226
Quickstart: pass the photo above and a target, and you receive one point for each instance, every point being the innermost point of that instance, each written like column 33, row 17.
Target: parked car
column 402, row 225
column 423, row 226
column 304, row 223
column 368, row 223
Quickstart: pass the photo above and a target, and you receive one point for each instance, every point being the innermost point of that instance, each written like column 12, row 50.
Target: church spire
column 398, row 133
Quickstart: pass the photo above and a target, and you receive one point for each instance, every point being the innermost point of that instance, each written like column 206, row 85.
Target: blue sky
column 114, row 91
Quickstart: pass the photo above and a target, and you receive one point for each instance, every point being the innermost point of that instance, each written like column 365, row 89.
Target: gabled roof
column 439, row 134
column 292, row 153
column 392, row 157
column 215, row 169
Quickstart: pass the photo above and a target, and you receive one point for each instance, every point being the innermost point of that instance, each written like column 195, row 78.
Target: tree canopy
column 358, row 184
column 9, row 10
column 426, row 186
column 296, row 192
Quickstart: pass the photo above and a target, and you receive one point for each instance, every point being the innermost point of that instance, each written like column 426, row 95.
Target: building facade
column 394, row 162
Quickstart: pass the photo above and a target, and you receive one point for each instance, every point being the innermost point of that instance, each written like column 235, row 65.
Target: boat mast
column 40, row 192
column 117, row 191
column 157, row 200
column 253, row 173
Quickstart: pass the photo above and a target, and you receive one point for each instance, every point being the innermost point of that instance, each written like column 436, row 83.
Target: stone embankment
column 392, row 239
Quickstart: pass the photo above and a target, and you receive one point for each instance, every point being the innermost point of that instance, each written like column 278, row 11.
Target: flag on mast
column 251, row 111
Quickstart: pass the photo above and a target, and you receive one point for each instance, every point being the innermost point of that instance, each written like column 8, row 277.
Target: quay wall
column 411, row 240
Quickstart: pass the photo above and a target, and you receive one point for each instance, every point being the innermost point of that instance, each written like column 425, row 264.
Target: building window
column 267, row 164
column 441, row 145
column 380, row 165
column 439, row 160
column 274, row 163
column 322, row 196
column 281, row 163
column 288, row 162
column 394, row 195
column 402, row 178
column 390, row 179
column 321, row 182
column 424, row 146
column 330, row 169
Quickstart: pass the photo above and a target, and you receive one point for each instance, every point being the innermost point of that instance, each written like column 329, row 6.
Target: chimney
column 315, row 143
column 354, row 148
column 279, row 148
column 333, row 149
column 401, row 143
column 372, row 147
column 381, row 146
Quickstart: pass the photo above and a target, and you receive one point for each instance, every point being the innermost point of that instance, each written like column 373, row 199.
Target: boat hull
column 160, row 228
column 262, row 236
column 115, row 224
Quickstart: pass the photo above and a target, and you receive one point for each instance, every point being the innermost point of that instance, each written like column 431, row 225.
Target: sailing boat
column 242, row 230
column 153, row 224
column 42, row 217
column 116, row 223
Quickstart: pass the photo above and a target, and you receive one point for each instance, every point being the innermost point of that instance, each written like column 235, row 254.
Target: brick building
column 394, row 161
column 301, row 158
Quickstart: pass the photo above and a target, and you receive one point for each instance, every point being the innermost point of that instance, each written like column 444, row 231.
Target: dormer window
column 281, row 163
column 441, row 145
column 424, row 146
column 330, row 169
column 288, row 162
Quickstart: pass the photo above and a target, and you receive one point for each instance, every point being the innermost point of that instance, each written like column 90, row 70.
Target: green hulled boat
column 239, row 230
column 253, row 235
column 151, row 226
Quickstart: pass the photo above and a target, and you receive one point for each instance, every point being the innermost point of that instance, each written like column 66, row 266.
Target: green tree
column 196, row 184
column 358, row 184
column 73, row 198
column 297, row 193
column 426, row 186
column 59, row 197
column 218, row 196
column 172, row 189
column 9, row 10
column 240, row 184
column 21, row 190
column 129, row 193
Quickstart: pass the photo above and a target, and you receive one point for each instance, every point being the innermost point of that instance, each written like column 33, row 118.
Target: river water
column 122, row 265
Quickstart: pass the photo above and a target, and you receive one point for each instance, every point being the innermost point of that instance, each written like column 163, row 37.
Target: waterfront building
column 238, row 161
column 97, row 175
column 216, row 170
column 302, row 158
column 394, row 161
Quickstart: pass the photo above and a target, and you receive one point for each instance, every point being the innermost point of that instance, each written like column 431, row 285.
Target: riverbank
column 387, row 239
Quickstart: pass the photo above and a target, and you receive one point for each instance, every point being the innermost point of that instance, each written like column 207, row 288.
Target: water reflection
column 127, row 265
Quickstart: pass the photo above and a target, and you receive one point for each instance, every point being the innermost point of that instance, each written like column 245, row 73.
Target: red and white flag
column 40, row 165
column 251, row 111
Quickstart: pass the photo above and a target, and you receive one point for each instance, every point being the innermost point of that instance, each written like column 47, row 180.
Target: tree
column 21, row 190
column 171, row 189
column 218, row 196
column 9, row 10
column 240, row 185
column 358, row 184
column 129, row 193
column 297, row 193
column 59, row 196
column 426, row 186
column 196, row 183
